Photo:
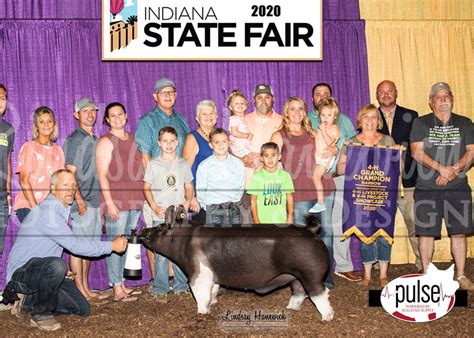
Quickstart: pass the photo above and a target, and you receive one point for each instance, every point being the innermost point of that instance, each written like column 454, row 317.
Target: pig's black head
column 174, row 217
column 146, row 236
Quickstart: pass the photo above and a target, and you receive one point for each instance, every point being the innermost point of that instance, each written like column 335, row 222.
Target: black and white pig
column 260, row 258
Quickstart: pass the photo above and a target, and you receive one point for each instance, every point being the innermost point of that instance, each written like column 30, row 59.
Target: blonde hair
column 204, row 104
column 40, row 111
column 233, row 94
column 364, row 110
column 330, row 103
column 306, row 123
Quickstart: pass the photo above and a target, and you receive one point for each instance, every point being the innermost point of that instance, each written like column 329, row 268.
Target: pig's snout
column 146, row 235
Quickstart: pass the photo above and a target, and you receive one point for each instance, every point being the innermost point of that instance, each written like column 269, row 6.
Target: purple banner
column 371, row 192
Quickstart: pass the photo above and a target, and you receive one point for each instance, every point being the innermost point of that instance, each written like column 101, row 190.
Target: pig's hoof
column 204, row 311
column 296, row 302
column 295, row 308
column 328, row 317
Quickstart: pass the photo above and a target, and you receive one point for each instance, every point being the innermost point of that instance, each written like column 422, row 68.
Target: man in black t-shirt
column 442, row 143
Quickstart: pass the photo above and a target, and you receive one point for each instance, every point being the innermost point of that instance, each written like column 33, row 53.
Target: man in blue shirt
column 331, row 218
column 35, row 268
column 163, row 115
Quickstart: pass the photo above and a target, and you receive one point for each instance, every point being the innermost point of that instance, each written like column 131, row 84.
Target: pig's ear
column 181, row 214
column 169, row 216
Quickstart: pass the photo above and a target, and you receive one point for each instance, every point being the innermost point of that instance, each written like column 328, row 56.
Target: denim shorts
column 379, row 251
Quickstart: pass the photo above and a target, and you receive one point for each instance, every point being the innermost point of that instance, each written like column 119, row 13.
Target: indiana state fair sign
column 211, row 30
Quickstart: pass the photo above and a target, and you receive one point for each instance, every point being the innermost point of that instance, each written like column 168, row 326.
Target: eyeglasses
column 167, row 93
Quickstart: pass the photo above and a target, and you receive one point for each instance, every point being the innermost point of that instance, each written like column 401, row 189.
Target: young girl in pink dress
column 240, row 136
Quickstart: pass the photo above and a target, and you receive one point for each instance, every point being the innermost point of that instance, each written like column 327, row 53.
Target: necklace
column 48, row 144
column 205, row 134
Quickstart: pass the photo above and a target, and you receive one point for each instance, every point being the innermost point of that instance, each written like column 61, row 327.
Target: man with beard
column 332, row 216
column 262, row 122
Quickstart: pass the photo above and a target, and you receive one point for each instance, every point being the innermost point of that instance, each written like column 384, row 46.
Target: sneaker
column 365, row 282
column 183, row 293
column 465, row 283
column 349, row 275
column 45, row 322
column 383, row 282
column 162, row 298
column 317, row 208
column 18, row 305
column 150, row 286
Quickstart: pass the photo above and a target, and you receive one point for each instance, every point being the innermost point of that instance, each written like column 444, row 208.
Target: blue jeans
column 224, row 213
column 46, row 290
column 377, row 251
column 326, row 234
column 341, row 249
column 22, row 213
column 3, row 220
column 161, row 284
column 123, row 226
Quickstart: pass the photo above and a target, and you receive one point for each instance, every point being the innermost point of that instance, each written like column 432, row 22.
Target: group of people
column 265, row 168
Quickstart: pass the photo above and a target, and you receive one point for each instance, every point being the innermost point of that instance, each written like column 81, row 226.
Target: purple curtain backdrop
column 56, row 62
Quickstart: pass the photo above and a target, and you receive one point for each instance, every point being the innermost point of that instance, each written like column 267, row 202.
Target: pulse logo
column 421, row 298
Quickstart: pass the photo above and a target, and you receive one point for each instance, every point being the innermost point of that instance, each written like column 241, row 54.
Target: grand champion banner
column 211, row 30
column 370, row 192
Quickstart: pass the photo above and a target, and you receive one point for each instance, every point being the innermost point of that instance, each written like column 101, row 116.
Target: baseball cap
column 84, row 102
column 263, row 89
column 163, row 83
